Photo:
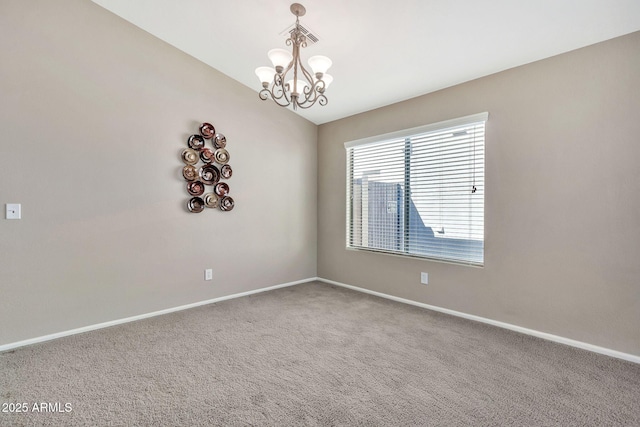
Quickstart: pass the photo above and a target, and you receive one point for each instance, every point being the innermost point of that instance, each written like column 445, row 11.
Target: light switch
column 14, row 211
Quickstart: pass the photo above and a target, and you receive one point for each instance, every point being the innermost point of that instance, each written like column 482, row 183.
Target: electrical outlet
column 208, row 274
column 424, row 278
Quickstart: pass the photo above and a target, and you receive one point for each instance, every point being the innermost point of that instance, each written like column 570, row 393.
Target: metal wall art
column 215, row 166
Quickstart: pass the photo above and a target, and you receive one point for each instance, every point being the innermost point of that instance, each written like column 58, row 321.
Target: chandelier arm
column 265, row 94
column 291, row 63
column 281, row 100
column 320, row 99
column 309, row 98
column 307, row 74
column 282, row 103
column 276, row 92
column 309, row 90
column 279, row 91
column 286, row 70
column 320, row 86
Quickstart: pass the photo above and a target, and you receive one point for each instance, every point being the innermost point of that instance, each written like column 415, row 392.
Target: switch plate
column 14, row 211
column 424, row 278
column 208, row 274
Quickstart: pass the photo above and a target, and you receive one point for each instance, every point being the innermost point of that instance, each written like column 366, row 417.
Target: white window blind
column 419, row 192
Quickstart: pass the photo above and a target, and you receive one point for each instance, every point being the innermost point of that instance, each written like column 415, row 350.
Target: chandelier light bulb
column 319, row 64
column 265, row 74
column 280, row 58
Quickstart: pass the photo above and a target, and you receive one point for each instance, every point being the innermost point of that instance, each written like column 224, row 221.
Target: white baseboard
column 532, row 332
column 49, row 337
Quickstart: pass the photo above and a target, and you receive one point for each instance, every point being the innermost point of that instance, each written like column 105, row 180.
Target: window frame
column 408, row 134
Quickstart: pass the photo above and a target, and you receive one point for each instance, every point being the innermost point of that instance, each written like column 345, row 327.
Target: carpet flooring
column 314, row 354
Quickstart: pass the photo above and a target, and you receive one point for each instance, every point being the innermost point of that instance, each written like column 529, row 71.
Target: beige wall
column 94, row 113
column 562, row 198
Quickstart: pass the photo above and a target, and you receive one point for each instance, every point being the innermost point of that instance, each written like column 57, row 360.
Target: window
column 419, row 192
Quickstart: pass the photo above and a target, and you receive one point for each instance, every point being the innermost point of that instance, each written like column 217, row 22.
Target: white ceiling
column 383, row 51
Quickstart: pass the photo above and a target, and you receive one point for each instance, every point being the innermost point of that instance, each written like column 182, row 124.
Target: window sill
column 416, row 257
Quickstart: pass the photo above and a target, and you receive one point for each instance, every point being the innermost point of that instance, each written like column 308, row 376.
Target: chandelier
column 289, row 82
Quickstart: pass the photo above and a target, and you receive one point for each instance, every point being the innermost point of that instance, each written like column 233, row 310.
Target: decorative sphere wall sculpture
column 207, row 166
